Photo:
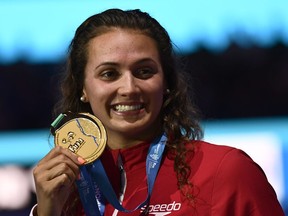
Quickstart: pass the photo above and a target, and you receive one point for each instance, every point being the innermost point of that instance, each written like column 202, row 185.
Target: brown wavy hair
column 179, row 116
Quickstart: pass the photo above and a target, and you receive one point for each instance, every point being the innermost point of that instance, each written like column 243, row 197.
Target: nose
column 128, row 85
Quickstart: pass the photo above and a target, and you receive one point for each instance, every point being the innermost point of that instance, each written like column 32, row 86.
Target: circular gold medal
column 83, row 135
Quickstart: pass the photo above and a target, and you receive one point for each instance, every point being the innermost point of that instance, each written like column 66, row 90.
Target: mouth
column 125, row 108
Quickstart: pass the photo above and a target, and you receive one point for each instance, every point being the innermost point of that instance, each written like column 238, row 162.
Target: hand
column 54, row 177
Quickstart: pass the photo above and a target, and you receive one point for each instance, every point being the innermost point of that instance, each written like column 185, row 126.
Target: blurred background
column 235, row 51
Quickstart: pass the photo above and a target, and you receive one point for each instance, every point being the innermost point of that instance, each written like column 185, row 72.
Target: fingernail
column 81, row 160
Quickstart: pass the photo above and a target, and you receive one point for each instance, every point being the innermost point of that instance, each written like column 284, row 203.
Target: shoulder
column 226, row 162
column 213, row 149
column 234, row 182
column 218, row 155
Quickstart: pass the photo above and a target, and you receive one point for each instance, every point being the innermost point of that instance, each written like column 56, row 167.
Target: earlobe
column 84, row 98
column 166, row 91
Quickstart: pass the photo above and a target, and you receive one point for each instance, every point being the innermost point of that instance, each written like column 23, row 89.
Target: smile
column 124, row 108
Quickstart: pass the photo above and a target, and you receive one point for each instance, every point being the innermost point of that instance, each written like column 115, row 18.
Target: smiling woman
column 124, row 85
column 121, row 69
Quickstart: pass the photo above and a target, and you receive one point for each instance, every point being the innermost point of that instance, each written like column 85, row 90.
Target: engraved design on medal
column 70, row 136
column 84, row 136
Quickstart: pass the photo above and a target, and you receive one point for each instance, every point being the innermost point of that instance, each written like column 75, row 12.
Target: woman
column 121, row 69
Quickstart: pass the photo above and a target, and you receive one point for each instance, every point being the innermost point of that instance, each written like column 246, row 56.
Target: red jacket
column 226, row 183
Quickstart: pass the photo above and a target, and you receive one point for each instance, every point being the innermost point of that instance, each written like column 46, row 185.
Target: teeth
column 123, row 108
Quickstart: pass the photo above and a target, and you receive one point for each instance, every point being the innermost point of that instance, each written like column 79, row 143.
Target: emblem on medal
column 83, row 134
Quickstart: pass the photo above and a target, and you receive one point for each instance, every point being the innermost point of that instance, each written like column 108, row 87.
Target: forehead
column 124, row 42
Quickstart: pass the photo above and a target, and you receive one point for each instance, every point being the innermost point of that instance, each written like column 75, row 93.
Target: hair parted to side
column 180, row 117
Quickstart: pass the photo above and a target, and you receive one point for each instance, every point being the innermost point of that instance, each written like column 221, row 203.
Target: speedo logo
column 162, row 209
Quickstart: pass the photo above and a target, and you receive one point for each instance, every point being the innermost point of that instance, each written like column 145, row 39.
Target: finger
column 61, row 159
column 55, row 167
column 59, row 155
column 58, row 150
column 63, row 168
column 54, row 185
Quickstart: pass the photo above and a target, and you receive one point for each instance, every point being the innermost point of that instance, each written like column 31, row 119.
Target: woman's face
column 124, row 83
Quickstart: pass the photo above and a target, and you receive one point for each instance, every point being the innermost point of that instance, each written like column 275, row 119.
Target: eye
column 144, row 73
column 109, row 75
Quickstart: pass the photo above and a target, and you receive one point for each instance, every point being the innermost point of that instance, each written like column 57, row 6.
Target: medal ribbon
column 93, row 175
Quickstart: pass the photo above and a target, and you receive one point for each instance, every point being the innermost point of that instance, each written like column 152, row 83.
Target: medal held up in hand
column 83, row 134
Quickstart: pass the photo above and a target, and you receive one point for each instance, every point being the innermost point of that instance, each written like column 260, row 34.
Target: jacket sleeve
column 242, row 189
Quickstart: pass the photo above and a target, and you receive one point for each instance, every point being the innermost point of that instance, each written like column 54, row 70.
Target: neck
column 119, row 141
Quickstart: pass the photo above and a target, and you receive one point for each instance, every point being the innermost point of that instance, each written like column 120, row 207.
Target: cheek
column 93, row 89
column 96, row 98
column 99, row 98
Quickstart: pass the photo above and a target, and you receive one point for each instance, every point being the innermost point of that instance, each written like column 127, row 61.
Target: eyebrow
column 145, row 60
column 106, row 64
column 116, row 64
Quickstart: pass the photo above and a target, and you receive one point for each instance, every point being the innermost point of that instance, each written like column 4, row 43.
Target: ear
column 165, row 88
column 84, row 93
column 84, row 97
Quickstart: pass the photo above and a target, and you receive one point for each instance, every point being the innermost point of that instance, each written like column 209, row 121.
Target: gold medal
column 84, row 135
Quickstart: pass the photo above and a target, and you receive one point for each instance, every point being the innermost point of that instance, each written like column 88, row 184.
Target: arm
column 54, row 177
column 242, row 189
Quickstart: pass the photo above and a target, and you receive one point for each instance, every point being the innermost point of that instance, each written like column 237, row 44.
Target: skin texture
column 124, row 69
